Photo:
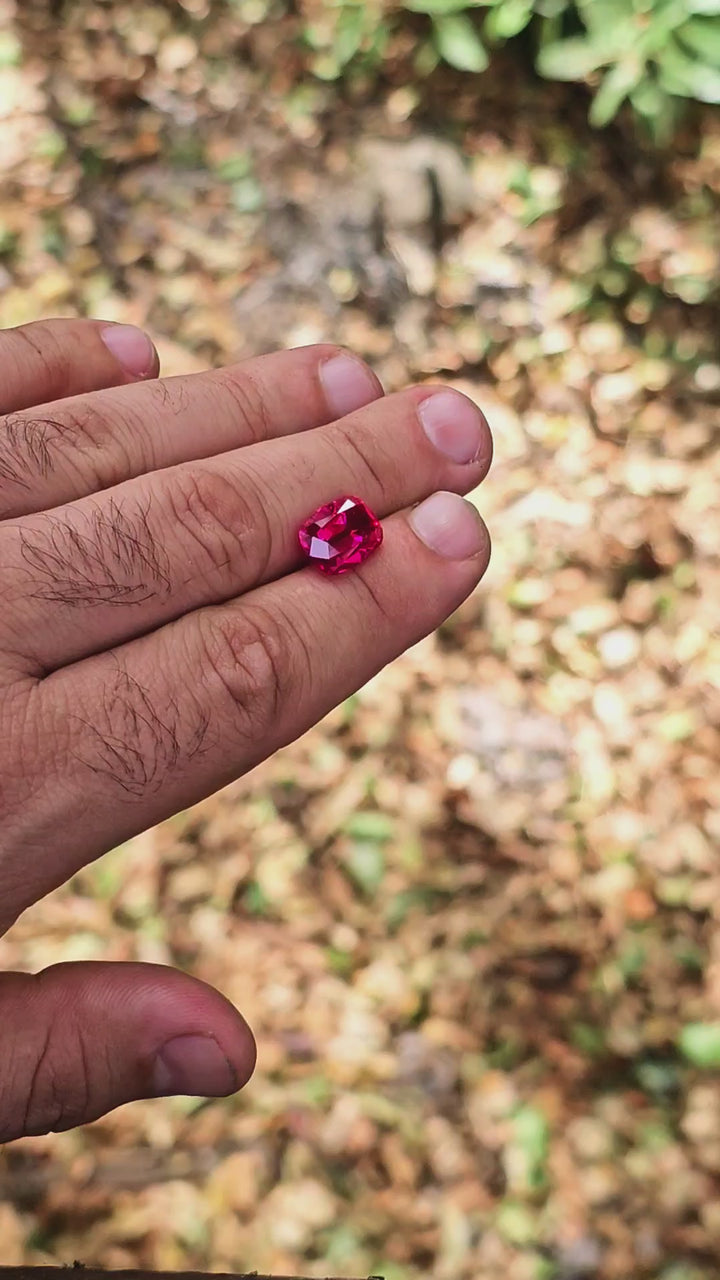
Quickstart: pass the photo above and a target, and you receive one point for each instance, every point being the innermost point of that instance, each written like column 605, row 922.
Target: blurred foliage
column 474, row 916
column 654, row 53
column 700, row 1042
column 649, row 51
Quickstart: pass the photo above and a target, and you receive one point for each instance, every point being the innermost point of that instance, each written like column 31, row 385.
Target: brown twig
column 91, row 1273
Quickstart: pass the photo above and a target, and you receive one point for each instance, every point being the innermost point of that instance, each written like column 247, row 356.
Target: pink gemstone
column 340, row 535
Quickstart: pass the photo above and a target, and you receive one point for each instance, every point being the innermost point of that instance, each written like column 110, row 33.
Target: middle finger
column 85, row 577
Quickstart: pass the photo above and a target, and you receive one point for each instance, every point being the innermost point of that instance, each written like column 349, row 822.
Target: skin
column 159, row 636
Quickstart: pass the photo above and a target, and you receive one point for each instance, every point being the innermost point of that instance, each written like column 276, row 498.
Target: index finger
column 78, row 446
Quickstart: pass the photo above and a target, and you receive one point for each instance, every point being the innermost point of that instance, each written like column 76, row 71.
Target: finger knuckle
column 248, row 402
column 137, row 738
column 84, row 442
column 102, row 553
column 222, row 517
column 97, row 434
column 23, row 450
column 49, row 353
column 248, row 657
column 29, row 443
column 171, row 396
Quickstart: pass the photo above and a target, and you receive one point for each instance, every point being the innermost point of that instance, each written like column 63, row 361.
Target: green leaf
column 657, row 1078
column 710, row 7
column 663, row 24
column 341, row 962
column 255, row 900
column 369, row 824
column 50, row 145
column 702, row 37
column 8, row 244
column 315, row 35
column 661, row 125
column 587, row 1038
column 377, row 46
column 516, row 1223
column 459, row 44
column 342, row 1245
column 234, row 167
column 571, row 59
column 604, row 15
column 631, row 960
column 247, row 195
column 648, row 98
column 700, row 1043
column 678, row 726
column 437, row 8
column 316, row 1091
column 349, row 34
column 687, row 77
column 532, row 1137
column 79, row 110
column 614, row 90
column 508, row 19
column 326, row 67
column 366, row 864
column 417, row 898
column 426, row 59
column 10, row 50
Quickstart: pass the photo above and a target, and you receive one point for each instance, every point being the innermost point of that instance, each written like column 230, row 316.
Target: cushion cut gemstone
column 340, row 535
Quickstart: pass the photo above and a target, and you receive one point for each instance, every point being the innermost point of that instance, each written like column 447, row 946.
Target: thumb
column 80, row 1039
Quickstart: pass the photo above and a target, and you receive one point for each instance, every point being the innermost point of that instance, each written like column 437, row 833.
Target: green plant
column 700, row 1043
column 455, row 36
column 652, row 53
column 346, row 33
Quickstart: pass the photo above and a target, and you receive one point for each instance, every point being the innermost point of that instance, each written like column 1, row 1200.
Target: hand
column 158, row 638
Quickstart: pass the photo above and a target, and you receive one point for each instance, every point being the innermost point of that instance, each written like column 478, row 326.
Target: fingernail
column 449, row 525
column 453, row 424
column 348, row 384
column 193, row 1065
column 131, row 348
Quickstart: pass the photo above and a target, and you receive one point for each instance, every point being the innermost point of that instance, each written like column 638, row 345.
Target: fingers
column 103, row 570
column 88, row 443
column 80, row 1039
column 51, row 359
column 131, row 736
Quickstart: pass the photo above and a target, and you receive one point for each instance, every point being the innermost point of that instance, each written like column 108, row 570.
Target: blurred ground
column 473, row 916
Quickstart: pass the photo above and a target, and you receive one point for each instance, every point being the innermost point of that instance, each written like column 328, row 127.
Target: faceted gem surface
column 340, row 535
